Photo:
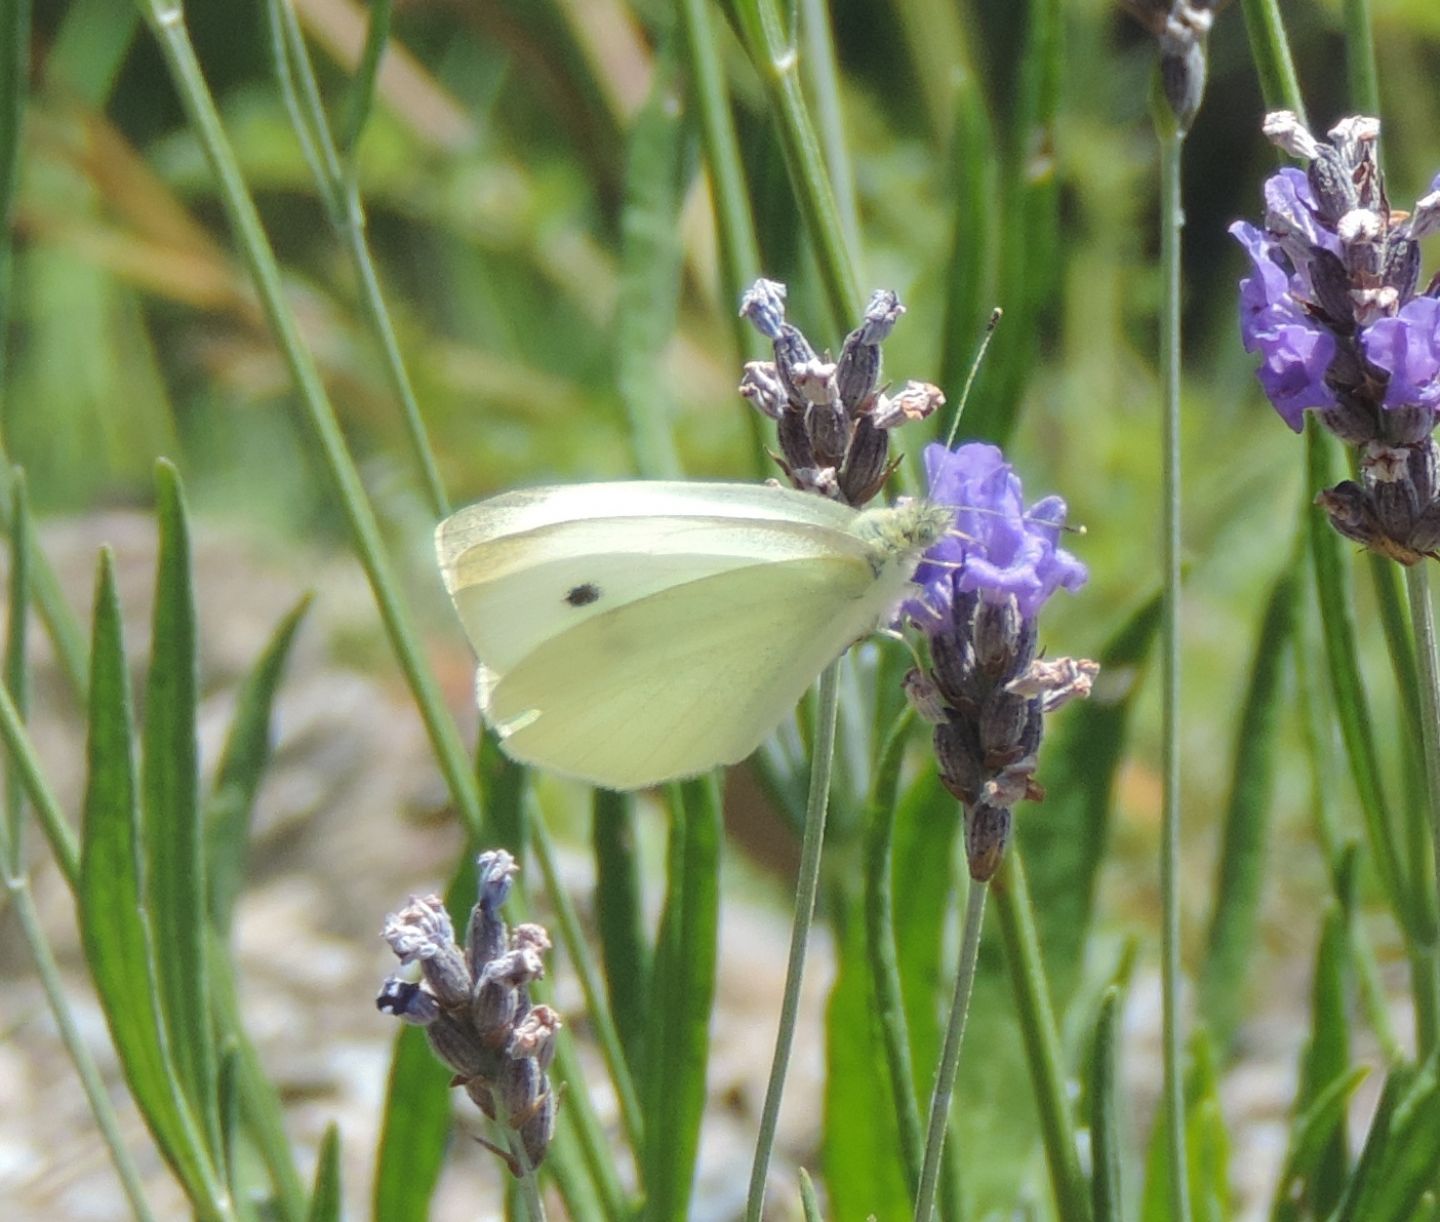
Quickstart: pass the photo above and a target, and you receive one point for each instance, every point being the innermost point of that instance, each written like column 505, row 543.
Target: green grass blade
column 1107, row 1195
column 883, row 961
column 927, row 823
column 650, row 266
column 771, row 51
column 318, row 412
column 1064, row 840
column 674, row 1088
column 16, row 673
column 1352, row 707
column 260, row 1108
column 1030, row 262
column 1317, row 1163
column 14, row 87
column 61, row 623
column 362, row 86
column 620, row 918
column 114, row 926
column 1241, row 872
column 1404, row 1171
column 1279, row 85
column 242, row 765
column 1364, row 1181
column 572, row 940
column 1313, row 1136
column 974, row 186
column 415, row 1133
column 809, row 1202
column 325, row 1202
column 1036, row 1018
column 172, row 840
column 1207, row 1147
column 89, row 50
column 1327, row 1059
column 864, row 1158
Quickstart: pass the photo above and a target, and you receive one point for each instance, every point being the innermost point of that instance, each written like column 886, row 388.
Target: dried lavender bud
column 866, row 465
column 858, row 368
column 486, row 1032
column 761, row 384
column 922, row 694
column 421, row 933
column 987, row 831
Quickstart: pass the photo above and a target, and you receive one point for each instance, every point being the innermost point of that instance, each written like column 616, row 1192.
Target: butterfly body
column 632, row 633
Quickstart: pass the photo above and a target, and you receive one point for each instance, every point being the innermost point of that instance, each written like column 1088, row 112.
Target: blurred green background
column 494, row 176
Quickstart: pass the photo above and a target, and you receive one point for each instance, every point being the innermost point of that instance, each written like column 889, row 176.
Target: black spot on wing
column 583, row 595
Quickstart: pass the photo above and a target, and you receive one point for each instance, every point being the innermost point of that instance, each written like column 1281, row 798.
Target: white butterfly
column 633, row 633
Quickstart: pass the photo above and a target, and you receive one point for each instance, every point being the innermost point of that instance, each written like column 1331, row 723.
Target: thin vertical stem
column 17, row 890
column 1171, row 221
column 166, row 18
column 1422, row 619
column 950, row 1052
column 807, row 884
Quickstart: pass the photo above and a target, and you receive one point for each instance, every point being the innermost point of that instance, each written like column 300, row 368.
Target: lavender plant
column 1335, row 311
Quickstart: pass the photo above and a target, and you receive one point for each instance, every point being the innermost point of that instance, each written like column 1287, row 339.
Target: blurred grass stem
column 1171, row 221
column 596, row 1005
column 950, row 1052
column 336, row 175
column 97, row 1095
column 807, row 884
column 1422, row 617
column 167, row 20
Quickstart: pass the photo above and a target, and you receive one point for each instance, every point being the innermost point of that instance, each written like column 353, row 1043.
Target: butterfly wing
column 674, row 683
column 631, row 633
column 525, row 566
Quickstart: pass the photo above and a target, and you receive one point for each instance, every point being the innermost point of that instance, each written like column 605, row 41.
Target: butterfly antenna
column 994, row 321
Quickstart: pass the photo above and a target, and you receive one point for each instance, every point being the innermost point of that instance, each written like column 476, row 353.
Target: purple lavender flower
column 1333, row 307
column 1295, row 350
column 998, row 548
column 985, row 691
column 1407, row 347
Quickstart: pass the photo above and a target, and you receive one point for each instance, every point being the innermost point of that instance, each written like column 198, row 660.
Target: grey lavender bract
column 1334, row 309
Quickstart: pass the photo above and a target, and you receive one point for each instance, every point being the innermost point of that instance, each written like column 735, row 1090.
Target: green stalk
column 807, row 884
column 817, row 57
column 1422, row 618
column 1036, row 1017
column 1324, row 784
column 97, row 1094
column 1171, row 220
column 880, row 947
column 1279, row 85
column 337, row 180
column 32, row 777
column 590, row 986
column 167, row 20
column 950, row 1052
column 1363, row 82
column 776, row 61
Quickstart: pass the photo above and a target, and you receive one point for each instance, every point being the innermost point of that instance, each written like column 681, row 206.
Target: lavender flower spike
column 986, row 692
column 1334, row 308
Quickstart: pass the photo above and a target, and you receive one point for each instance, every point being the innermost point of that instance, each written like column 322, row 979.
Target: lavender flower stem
column 950, row 1053
column 525, row 1183
column 1422, row 617
column 806, row 886
column 1171, row 221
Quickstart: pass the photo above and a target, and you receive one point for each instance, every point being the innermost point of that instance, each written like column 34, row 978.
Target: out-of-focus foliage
column 493, row 176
